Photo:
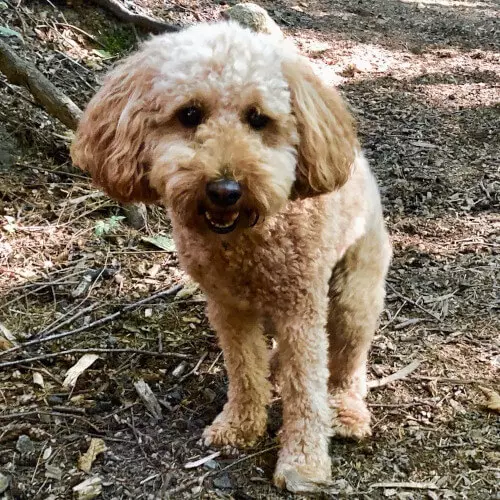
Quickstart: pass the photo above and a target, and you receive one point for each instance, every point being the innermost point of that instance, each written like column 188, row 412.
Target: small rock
column 179, row 369
column 211, row 464
column 4, row 482
column 209, row 395
column 54, row 400
column 137, row 215
column 24, row 445
column 223, row 482
column 253, row 17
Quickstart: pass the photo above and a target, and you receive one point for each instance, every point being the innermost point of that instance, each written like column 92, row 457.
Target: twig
column 404, row 372
column 83, row 32
column 76, row 63
column 247, row 457
column 52, row 414
column 393, row 318
column 141, row 21
column 58, row 10
column 202, row 478
column 183, row 487
column 416, row 304
column 55, row 325
column 409, row 322
column 99, row 322
column 408, row 486
column 97, row 351
column 195, row 369
column 445, row 380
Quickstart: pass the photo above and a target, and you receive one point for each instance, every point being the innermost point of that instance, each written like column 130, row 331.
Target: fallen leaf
column 187, row 291
column 46, row 453
column 76, row 370
column 493, row 401
column 96, row 447
column 154, row 270
column 7, row 340
column 164, row 242
column 53, row 472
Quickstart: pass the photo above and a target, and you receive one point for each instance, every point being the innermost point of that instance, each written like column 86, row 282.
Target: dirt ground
column 423, row 80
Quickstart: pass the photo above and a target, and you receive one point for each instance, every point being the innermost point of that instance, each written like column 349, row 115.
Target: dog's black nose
column 224, row 192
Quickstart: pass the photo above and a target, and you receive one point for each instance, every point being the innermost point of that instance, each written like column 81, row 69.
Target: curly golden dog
column 275, row 213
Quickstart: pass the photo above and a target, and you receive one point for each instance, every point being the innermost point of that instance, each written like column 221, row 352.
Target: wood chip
column 148, row 398
column 38, row 379
column 88, row 489
column 201, row 461
column 76, row 370
column 404, row 372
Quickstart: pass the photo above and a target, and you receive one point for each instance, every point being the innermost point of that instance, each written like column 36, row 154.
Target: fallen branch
column 99, row 322
column 20, row 72
column 404, row 372
column 139, row 20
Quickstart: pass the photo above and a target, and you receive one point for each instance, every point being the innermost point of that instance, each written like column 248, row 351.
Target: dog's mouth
column 222, row 222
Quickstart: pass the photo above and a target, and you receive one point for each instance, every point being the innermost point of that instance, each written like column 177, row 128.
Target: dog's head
column 221, row 124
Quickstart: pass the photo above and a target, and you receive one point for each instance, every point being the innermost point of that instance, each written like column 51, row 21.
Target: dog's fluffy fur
column 311, row 268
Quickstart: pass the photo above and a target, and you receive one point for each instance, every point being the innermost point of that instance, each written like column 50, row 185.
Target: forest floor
column 423, row 79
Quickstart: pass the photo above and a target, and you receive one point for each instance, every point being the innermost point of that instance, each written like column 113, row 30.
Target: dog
column 275, row 214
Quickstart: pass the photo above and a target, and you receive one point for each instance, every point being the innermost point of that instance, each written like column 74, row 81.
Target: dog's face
column 222, row 125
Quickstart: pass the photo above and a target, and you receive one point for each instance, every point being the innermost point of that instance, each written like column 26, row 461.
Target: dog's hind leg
column 244, row 417
column 357, row 290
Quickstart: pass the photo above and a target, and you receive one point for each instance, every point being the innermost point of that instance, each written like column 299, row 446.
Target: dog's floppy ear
column 327, row 132
column 110, row 139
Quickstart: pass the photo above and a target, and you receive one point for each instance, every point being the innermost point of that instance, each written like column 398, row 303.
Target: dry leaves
column 96, row 447
column 493, row 399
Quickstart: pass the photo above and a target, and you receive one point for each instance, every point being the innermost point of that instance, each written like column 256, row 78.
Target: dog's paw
column 228, row 431
column 298, row 477
column 351, row 417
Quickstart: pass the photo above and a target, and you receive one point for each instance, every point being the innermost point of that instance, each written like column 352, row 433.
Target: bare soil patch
column 422, row 78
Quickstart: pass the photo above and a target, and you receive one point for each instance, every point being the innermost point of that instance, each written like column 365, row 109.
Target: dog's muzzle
column 223, row 215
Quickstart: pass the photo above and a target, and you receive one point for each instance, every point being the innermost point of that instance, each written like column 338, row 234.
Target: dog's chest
column 247, row 273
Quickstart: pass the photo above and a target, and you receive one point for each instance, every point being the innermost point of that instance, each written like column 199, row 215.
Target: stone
column 253, row 17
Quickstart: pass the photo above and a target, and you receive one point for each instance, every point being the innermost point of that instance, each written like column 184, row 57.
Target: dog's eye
column 257, row 120
column 190, row 116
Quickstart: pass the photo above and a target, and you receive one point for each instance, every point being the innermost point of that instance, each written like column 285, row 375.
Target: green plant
column 103, row 227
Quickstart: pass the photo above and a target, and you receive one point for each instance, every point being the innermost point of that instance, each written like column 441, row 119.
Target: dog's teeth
column 222, row 225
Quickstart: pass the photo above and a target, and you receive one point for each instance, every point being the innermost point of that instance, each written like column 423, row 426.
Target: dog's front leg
column 244, row 417
column 304, row 463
